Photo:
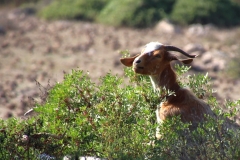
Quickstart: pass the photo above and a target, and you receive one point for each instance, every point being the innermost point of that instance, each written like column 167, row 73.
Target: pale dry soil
column 33, row 50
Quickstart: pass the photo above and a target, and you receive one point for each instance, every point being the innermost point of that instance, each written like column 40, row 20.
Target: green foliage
column 219, row 12
column 209, row 141
column 114, row 120
column 145, row 13
column 141, row 13
column 16, row 2
column 199, row 83
column 73, row 9
column 233, row 67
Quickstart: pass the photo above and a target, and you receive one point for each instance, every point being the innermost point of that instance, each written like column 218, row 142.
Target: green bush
column 145, row 13
column 232, row 69
column 73, row 9
column 141, row 13
column 218, row 12
column 16, row 2
column 114, row 120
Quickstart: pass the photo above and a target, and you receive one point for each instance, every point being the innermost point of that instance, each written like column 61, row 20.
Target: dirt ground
column 33, row 50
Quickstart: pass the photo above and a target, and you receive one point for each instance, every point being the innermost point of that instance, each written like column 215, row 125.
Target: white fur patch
column 158, row 114
column 152, row 46
column 159, row 121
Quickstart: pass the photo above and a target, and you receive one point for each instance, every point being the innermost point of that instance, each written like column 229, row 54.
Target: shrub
column 145, row 13
column 73, row 9
column 232, row 69
column 16, row 2
column 113, row 120
column 219, row 12
column 141, row 13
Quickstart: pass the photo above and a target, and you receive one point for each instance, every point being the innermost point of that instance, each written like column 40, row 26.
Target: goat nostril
column 138, row 61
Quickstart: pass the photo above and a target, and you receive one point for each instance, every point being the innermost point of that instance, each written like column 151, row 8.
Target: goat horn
column 173, row 48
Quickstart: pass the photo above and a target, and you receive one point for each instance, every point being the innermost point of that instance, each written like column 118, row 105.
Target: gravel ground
column 33, row 50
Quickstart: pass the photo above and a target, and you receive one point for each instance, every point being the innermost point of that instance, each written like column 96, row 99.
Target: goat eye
column 158, row 56
column 150, row 53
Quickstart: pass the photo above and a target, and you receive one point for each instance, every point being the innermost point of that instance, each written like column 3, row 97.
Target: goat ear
column 128, row 61
column 185, row 61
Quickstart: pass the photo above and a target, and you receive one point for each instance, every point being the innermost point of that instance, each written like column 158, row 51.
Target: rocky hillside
column 35, row 53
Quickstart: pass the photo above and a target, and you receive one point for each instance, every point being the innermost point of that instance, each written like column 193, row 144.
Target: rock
column 197, row 68
column 44, row 156
column 167, row 27
column 4, row 44
column 62, row 25
column 199, row 29
column 2, row 31
column 68, row 157
column 90, row 158
column 194, row 47
column 20, row 13
column 28, row 11
column 218, row 64
column 211, row 61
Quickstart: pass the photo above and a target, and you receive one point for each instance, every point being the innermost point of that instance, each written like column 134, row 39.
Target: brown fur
column 184, row 103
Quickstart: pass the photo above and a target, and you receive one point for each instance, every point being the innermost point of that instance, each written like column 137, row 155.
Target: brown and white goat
column 154, row 61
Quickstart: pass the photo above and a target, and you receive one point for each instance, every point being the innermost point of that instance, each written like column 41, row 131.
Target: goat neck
column 167, row 78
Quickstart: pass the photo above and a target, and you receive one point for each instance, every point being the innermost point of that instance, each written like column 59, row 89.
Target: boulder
column 199, row 30
column 211, row 61
column 2, row 31
column 194, row 47
column 166, row 27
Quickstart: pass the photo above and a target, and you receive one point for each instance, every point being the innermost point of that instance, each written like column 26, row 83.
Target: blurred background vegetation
column 140, row 13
